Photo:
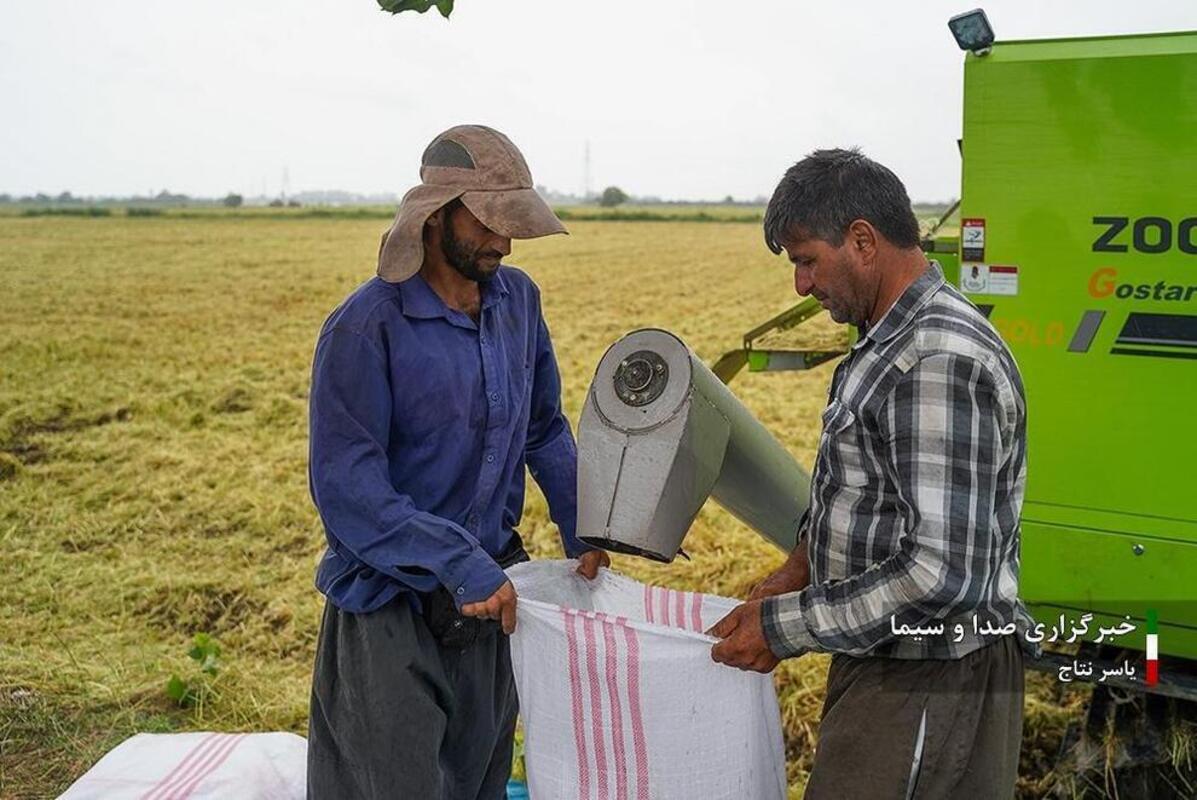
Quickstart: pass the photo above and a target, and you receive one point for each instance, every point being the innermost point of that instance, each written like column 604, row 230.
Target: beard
column 849, row 307
column 838, row 314
column 467, row 261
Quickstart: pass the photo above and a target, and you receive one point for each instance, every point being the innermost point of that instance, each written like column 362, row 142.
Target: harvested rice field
column 153, row 382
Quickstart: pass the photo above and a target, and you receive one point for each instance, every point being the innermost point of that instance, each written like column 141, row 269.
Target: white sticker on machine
column 972, row 238
column 989, row 279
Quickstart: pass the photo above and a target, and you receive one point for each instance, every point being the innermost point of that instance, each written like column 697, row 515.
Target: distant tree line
column 163, row 199
column 610, row 197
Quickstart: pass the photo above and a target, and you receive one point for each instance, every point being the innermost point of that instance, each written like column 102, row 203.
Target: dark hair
column 828, row 190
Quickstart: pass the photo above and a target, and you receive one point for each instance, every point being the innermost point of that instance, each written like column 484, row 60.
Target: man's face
column 836, row 276
column 470, row 247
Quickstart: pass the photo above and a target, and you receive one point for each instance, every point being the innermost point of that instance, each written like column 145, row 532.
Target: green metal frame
column 764, row 360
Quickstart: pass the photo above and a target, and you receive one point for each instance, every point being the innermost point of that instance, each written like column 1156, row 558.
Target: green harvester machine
column 1078, row 240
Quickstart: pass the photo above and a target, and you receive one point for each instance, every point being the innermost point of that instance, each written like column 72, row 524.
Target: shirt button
column 494, row 397
column 490, row 458
column 461, row 590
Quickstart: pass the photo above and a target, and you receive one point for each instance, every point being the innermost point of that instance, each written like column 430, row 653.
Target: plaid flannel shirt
column 916, row 492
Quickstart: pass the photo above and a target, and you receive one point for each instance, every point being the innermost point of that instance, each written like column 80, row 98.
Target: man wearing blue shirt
column 433, row 385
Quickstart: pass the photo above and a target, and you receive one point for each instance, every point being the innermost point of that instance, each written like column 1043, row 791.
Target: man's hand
column 590, row 561
column 793, row 576
column 743, row 635
column 499, row 606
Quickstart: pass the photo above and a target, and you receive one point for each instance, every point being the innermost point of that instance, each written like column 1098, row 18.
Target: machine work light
column 972, row 31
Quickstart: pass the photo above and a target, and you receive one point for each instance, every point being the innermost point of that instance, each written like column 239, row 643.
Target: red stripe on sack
column 575, row 696
column 197, row 768
column 596, row 708
column 648, row 603
column 196, row 754
column 214, row 765
column 679, row 609
column 662, row 604
column 621, row 767
column 638, row 743
column 1153, row 673
column 1003, row 270
column 696, row 612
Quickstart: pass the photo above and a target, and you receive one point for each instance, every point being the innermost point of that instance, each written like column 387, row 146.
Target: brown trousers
column 931, row 730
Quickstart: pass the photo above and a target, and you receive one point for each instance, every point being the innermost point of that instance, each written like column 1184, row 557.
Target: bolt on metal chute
column 659, row 434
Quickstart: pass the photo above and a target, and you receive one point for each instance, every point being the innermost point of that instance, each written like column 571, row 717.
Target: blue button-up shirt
column 421, row 424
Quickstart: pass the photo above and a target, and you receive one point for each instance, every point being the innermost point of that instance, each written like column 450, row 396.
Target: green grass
column 696, row 212
column 153, row 385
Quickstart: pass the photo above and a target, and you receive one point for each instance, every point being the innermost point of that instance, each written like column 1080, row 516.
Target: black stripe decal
column 1155, row 342
column 1141, row 328
column 1126, row 351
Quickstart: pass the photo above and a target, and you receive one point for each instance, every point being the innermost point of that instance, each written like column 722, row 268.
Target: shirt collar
column 418, row 299
column 494, row 290
column 903, row 311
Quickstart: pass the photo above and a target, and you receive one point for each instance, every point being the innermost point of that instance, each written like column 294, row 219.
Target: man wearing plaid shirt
column 906, row 569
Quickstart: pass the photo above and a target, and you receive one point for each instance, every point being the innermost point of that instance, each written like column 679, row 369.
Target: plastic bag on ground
column 158, row 766
column 620, row 698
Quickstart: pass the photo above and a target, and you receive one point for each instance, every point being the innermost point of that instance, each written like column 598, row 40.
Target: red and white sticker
column 989, row 279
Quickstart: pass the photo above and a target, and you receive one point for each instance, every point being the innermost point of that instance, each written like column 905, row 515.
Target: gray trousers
column 895, row 729
column 398, row 714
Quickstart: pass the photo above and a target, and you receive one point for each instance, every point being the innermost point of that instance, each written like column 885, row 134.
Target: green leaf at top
column 419, row 6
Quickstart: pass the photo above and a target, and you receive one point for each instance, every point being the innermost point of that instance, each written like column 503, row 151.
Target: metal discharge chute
column 659, row 434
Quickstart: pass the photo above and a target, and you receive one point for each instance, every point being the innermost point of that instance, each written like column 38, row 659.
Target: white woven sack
column 198, row 766
column 620, row 699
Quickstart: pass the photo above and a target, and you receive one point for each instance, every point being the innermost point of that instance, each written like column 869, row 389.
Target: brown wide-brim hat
column 489, row 174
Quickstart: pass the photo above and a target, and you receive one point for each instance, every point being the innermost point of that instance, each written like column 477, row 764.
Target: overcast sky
column 682, row 99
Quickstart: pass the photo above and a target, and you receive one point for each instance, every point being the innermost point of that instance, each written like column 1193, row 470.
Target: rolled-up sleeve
column 551, row 452
column 350, row 415
column 942, row 431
